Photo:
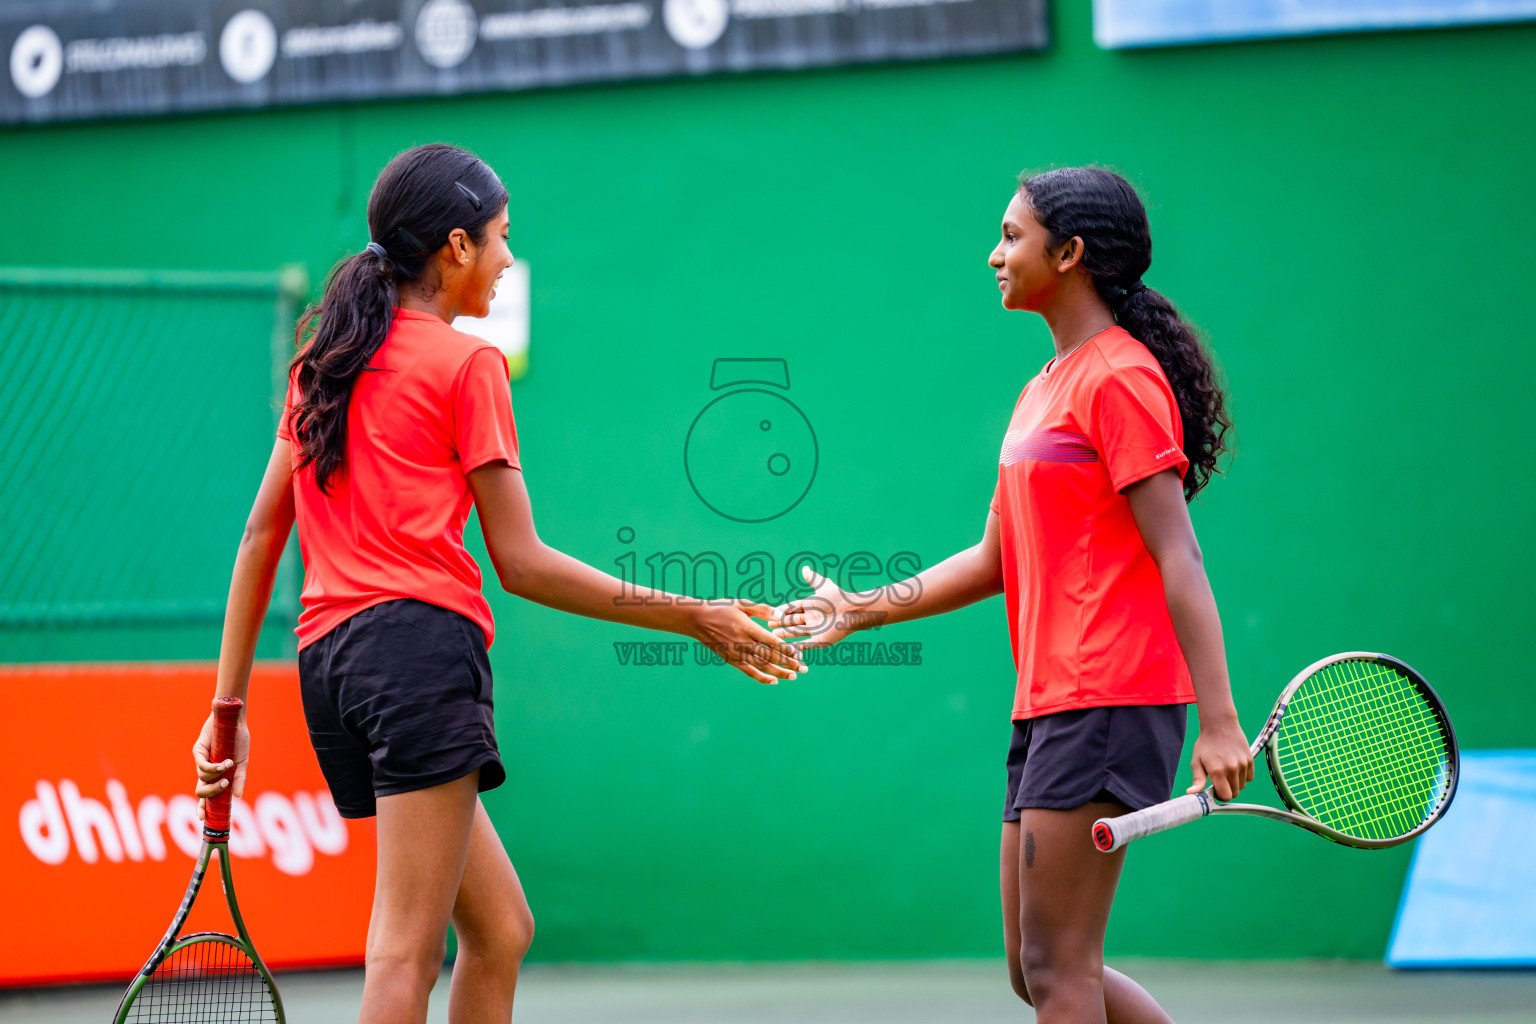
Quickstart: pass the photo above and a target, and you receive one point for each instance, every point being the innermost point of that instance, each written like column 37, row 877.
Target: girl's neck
column 1075, row 321
column 439, row 304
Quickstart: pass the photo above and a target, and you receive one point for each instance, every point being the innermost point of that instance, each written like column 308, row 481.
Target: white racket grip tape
column 1109, row 834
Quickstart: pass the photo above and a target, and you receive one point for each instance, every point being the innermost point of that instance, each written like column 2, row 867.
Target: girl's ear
column 1071, row 254
column 458, row 246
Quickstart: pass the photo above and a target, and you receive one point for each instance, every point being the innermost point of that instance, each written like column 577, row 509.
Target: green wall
column 1348, row 217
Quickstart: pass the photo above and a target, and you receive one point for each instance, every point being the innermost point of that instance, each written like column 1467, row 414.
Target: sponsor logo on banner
column 288, row 829
column 99, row 827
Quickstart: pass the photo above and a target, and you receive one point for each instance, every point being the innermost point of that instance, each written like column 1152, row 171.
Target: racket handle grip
column 1110, row 834
column 226, row 718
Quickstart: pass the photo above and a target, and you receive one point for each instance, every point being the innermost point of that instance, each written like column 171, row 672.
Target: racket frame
column 214, row 840
column 1268, row 741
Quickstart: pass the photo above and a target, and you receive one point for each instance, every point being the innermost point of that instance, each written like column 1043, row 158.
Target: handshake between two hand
column 772, row 652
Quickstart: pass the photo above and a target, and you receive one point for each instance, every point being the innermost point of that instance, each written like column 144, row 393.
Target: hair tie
column 377, row 250
column 1118, row 297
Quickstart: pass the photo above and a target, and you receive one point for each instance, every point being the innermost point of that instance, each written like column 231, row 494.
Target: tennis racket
column 206, row 977
column 1360, row 750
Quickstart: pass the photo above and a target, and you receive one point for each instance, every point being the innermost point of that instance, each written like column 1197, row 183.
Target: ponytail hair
column 417, row 201
column 1102, row 209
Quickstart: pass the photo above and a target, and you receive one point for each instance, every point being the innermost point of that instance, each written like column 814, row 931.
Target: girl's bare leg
column 424, row 838
column 494, row 927
column 1121, row 1000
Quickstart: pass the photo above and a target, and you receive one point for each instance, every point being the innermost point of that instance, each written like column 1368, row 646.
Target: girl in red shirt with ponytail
column 396, row 424
column 1113, row 624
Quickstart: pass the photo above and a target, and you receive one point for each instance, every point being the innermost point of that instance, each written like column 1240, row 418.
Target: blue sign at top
column 1127, row 23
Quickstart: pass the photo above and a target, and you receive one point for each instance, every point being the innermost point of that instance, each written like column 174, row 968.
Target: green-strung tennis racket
column 1359, row 747
column 206, row 977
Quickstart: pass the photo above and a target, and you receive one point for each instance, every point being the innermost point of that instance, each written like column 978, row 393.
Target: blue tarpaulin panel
column 1124, row 23
column 1470, row 898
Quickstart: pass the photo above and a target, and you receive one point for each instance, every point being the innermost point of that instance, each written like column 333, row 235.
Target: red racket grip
column 226, row 718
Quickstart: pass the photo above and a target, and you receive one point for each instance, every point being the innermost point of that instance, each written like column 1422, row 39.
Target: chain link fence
column 137, row 409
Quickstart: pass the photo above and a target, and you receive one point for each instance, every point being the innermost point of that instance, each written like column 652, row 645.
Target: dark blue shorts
column 1125, row 754
column 398, row 698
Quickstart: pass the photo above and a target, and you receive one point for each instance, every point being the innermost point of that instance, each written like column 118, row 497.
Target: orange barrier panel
column 100, row 830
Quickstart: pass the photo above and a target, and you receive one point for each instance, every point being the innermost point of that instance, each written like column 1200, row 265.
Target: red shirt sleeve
column 1134, row 424
column 483, row 428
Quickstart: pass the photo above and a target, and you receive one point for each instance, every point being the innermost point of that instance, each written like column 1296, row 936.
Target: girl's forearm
column 961, row 579
column 556, row 580
column 250, row 592
column 1197, row 625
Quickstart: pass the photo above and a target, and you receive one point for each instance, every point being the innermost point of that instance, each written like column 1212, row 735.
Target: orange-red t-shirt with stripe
column 433, row 405
column 1086, row 611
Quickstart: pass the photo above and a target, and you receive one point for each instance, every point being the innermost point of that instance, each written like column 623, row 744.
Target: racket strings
column 1378, row 794
column 1362, row 750
column 1373, row 786
column 1365, row 774
column 208, row 982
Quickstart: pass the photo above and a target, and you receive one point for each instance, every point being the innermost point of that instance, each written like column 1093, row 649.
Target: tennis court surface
column 1246, row 992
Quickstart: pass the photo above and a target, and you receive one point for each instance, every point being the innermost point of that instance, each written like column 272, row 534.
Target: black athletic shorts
column 1068, row 759
column 398, row 698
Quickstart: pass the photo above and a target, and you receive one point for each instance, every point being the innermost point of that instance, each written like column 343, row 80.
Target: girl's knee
column 504, row 940
column 520, row 934
column 1048, row 973
column 418, row 966
column 1016, row 979
column 1038, row 968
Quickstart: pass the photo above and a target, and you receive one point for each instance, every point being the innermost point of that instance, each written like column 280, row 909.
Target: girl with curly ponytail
column 1113, row 624
column 396, row 426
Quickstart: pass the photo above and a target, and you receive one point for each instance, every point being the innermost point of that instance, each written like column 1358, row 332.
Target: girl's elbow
column 260, row 537
column 516, row 576
column 1194, row 556
column 1182, row 560
column 510, row 581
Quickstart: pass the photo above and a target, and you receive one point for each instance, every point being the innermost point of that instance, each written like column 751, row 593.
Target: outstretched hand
column 822, row 619
column 730, row 631
column 213, row 779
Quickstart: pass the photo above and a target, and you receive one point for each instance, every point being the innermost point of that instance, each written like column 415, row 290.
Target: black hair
column 1102, row 209
column 420, row 197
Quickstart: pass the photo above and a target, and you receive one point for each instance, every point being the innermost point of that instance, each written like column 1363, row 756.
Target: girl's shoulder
column 1117, row 349
column 1117, row 354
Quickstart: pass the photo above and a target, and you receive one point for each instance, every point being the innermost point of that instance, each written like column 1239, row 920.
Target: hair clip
column 410, row 240
column 474, row 200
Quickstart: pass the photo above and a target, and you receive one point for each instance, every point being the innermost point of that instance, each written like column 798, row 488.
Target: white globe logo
column 248, row 46
column 37, row 60
column 445, row 32
column 695, row 23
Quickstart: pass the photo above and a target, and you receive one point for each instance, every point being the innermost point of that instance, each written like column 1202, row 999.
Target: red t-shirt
column 1086, row 610
column 434, row 405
